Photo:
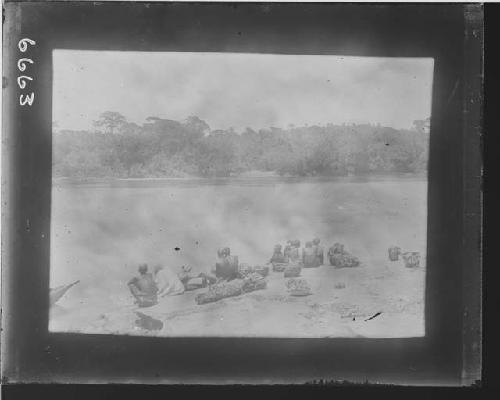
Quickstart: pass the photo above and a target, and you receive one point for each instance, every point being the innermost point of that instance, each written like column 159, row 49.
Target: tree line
column 163, row 148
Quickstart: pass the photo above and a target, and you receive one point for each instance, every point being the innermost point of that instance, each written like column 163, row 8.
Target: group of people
column 312, row 254
column 148, row 286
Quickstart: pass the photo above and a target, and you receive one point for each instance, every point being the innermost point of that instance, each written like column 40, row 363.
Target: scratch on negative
column 453, row 91
column 373, row 316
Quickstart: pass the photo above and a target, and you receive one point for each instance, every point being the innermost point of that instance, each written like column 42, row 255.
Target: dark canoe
column 60, row 291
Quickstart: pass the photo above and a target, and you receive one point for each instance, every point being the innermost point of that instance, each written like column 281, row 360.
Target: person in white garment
column 167, row 281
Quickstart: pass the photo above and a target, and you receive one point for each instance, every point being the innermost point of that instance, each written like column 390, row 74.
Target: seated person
column 167, row 281
column 226, row 266
column 287, row 250
column 223, row 252
column 143, row 287
column 318, row 250
column 309, row 257
column 294, row 255
column 278, row 256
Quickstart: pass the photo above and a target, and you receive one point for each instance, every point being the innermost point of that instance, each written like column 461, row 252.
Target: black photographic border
column 450, row 33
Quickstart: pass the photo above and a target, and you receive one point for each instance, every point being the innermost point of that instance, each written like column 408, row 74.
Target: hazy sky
column 240, row 90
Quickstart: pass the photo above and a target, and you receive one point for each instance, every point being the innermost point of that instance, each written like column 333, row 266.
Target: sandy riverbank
column 394, row 291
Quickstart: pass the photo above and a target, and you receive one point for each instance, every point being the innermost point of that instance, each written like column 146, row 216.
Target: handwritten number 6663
column 22, row 80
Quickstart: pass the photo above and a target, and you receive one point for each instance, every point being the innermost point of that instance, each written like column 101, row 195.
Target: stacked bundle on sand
column 292, row 271
column 262, row 270
column 337, row 248
column 196, row 283
column 394, row 253
column 345, row 260
column 411, row 259
column 279, row 267
column 253, row 282
column 192, row 281
column 298, row 287
column 220, row 291
column 341, row 258
column 232, row 288
column 244, row 270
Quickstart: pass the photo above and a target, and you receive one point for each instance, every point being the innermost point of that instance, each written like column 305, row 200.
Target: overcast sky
column 240, row 90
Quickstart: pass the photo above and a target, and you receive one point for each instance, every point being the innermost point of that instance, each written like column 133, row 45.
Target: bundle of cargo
column 232, row 288
column 292, row 271
column 394, row 253
column 196, row 283
column 220, row 291
column 345, row 260
column 411, row 259
column 193, row 281
column 341, row 258
column 279, row 267
column 337, row 248
column 294, row 255
column 309, row 257
column 245, row 270
column 298, row 287
column 254, row 281
column 262, row 270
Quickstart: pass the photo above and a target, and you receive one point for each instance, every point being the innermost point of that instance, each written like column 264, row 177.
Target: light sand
column 394, row 291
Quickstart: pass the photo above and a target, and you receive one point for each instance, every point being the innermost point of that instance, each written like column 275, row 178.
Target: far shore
column 241, row 178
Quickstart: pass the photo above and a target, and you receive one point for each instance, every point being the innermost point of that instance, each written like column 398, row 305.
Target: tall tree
column 111, row 121
column 197, row 125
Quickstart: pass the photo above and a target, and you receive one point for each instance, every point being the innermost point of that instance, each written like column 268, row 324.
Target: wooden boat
column 60, row 291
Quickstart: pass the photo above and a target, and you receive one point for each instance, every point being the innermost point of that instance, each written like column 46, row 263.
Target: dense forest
column 163, row 148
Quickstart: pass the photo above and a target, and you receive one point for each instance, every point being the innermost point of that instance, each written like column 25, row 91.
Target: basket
column 344, row 260
column 394, row 253
column 298, row 287
column 411, row 259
